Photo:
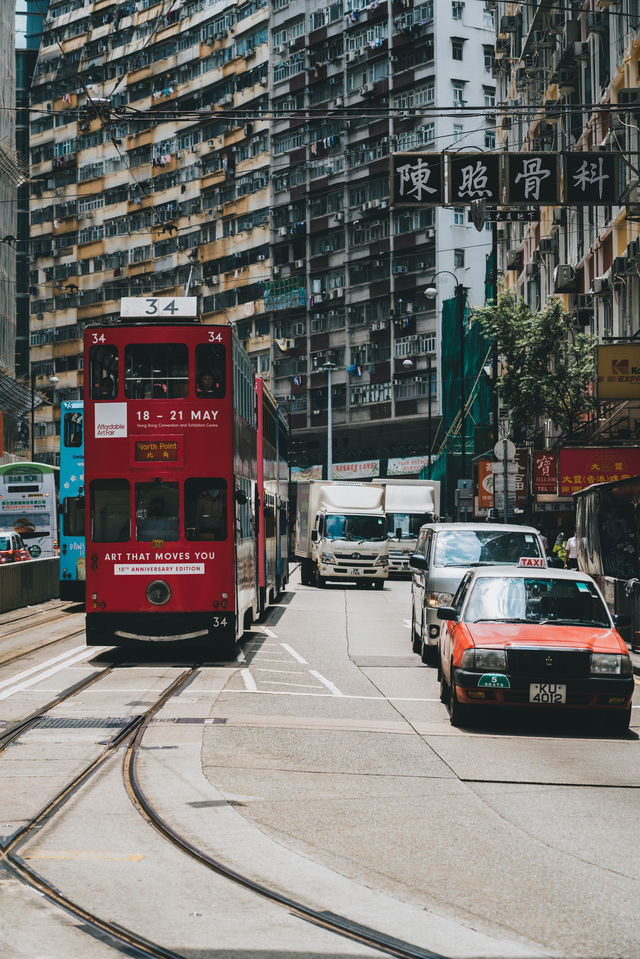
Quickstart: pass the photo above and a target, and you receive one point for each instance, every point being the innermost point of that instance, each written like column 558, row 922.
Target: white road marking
column 50, row 672
column 36, row 669
column 289, row 672
column 277, row 682
column 241, row 658
column 249, row 681
column 293, row 653
column 326, row 682
column 268, row 632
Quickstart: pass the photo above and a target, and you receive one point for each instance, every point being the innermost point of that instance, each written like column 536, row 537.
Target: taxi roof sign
column 532, row 562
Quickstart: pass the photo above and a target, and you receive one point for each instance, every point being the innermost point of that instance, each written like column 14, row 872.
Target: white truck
column 408, row 504
column 341, row 533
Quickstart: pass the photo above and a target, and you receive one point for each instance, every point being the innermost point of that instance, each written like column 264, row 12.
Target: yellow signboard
column 619, row 372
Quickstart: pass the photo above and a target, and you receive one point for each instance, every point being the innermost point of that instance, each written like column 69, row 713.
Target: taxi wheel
column 618, row 722
column 458, row 712
column 445, row 692
column 416, row 638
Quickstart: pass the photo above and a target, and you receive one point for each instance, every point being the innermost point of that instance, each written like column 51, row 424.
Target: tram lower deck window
column 205, row 509
column 156, row 371
column 110, row 511
column 157, row 511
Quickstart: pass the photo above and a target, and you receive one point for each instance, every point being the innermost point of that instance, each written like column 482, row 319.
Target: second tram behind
column 72, row 563
column 181, row 484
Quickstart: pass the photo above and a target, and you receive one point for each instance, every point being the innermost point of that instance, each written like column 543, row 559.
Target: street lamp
column 431, row 292
column 328, row 368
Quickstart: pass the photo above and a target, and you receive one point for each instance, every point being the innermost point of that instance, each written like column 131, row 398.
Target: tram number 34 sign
column 157, row 307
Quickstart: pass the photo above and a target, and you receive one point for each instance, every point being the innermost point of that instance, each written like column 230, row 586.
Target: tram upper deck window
column 72, row 430
column 104, row 372
column 110, row 511
column 210, row 370
column 205, row 509
column 157, row 511
column 156, row 371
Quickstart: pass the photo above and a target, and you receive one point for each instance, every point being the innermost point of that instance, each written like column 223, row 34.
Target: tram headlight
column 158, row 592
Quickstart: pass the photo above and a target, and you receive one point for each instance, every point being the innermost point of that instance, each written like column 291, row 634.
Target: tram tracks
column 131, row 735
column 8, row 632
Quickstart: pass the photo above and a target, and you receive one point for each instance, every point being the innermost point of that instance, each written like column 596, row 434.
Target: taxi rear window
column 5, row 543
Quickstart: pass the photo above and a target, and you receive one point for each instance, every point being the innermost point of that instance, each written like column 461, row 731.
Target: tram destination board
column 168, row 308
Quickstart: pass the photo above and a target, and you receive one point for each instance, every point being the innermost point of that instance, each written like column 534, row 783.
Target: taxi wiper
column 499, row 619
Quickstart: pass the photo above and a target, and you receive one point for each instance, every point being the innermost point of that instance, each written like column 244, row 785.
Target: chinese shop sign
column 590, row 178
column 583, row 467
column 485, row 484
column 532, row 178
column 417, row 179
column 545, row 472
column 474, row 176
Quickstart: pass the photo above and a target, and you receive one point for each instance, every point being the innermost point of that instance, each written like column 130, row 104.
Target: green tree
column 547, row 366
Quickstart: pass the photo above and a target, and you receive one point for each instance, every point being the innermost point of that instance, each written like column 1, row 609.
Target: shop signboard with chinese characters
column 474, row 176
column 532, row 178
column 417, row 179
column 619, row 371
column 583, row 467
column 545, row 472
column 485, row 484
column 365, row 469
column 406, row 466
column 590, row 179
column 301, row 474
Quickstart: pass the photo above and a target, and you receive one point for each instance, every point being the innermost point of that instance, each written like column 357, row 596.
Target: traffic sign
column 498, row 449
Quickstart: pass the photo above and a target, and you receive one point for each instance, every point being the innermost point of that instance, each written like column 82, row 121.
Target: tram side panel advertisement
column 28, row 505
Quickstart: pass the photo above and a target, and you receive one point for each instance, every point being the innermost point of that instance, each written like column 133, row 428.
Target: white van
column 444, row 553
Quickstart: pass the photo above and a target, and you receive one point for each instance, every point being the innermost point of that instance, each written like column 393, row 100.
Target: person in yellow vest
column 560, row 548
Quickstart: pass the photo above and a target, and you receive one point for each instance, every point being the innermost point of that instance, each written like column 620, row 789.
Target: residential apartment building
column 568, row 80
column 8, row 185
column 240, row 152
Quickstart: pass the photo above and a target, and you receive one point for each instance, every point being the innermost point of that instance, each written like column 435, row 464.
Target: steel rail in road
column 8, row 850
column 34, row 649
column 332, row 922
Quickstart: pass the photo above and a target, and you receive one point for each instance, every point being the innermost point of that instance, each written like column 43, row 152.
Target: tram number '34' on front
column 549, row 693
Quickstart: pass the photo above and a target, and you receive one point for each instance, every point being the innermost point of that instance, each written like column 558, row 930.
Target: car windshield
column 518, row 599
column 355, row 527
column 470, row 547
column 4, row 543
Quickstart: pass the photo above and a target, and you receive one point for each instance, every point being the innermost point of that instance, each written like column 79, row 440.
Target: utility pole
column 460, row 291
column 329, row 368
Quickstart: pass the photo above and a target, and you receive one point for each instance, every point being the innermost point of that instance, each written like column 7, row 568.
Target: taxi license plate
column 548, row 693
column 355, row 570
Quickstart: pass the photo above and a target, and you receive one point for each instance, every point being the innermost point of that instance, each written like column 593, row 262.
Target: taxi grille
column 551, row 663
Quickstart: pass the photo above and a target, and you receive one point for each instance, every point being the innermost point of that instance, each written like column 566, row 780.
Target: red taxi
column 535, row 637
column 12, row 548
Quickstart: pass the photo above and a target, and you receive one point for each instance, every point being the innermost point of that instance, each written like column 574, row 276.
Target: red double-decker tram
column 171, row 480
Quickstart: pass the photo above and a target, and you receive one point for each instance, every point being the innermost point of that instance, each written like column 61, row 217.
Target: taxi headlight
column 158, row 592
column 487, row 660
column 327, row 558
column 610, row 664
column 440, row 599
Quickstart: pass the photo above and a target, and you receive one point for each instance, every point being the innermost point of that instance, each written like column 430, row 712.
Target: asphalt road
column 323, row 765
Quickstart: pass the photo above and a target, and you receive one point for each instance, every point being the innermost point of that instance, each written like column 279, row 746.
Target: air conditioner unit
column 298, row 264
column 581, row 50
column 338, row 217
column 260, row 258
column 365, row 89
column 281, row 48
column 508, row 24
column 601, row 284
column 351, row 56
column 282, row 231
column 546, row 245
column 338, row 102
column 225, row 100
column 514, row 259
column 596, row 23
column 531, row 269
column 339, row 291
column 564, row 278
column 566, row 80
column 430, row 233
column 276, row 270
column 213, row 281
column 619, row 266
column 88, row 216
column 401, row 269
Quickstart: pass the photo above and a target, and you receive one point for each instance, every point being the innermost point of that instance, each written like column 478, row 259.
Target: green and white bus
column 29, row 505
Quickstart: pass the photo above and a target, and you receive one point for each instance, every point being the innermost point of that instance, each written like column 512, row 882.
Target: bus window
column 104, row 372
column 73, row 516
column 110, row 519
column 156, row 371
column 73, row 430
column 205, row 509
column 210, row 370
column 157, row 510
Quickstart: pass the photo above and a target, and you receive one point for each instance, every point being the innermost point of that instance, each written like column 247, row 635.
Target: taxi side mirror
column 448, row 612
column 418, row 561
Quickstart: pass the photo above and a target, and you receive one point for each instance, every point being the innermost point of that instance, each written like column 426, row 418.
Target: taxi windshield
column 4, row 543
column 470, row 547
column 539, row 600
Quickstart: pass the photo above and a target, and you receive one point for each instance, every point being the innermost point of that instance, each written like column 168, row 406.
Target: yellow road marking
column 86, row 855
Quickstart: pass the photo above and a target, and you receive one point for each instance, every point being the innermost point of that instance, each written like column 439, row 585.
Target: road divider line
column 86, row 653
column 268, row 632
column 287, row 672
column 326, row 682
column 41, row 666
column 293, row 653
column 249, row 681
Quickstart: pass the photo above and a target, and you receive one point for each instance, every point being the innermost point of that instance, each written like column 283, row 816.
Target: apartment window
column 458, row 93
column 489, row 55
column 458, row 215
column 458, row 132
column 458, row 259
column 456, row 9
column 490, row 139
column 489, row 96
column 457, row 47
